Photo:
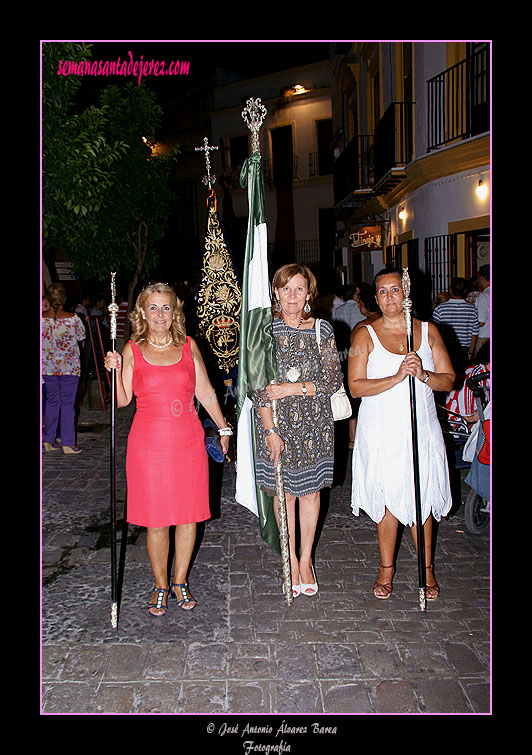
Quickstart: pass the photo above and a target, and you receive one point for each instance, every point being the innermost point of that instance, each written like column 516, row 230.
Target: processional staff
column 407, row 307
column 113, row 311
column 254, row 114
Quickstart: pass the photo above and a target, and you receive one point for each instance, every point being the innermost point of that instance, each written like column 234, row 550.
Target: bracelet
column 426, row 377
column 225, row 431
column 271, row 431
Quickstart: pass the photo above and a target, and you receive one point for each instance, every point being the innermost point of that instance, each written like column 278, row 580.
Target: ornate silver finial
column 208, row 180
column 113, row 308
column 254, row 113
column 407, row 302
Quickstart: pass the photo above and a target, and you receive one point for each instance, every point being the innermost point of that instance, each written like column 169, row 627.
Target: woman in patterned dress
column 61, row 333
column 308, row 374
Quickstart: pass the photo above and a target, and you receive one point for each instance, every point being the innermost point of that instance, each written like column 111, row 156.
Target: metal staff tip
column 407, row 302
column 113, row 308
column 254, row 113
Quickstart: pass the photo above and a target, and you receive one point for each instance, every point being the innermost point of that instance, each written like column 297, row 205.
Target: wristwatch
column 426, row 377
column 304, row 389
column 271, row 431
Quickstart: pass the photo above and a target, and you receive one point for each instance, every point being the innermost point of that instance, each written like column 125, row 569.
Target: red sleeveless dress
column 166, row 464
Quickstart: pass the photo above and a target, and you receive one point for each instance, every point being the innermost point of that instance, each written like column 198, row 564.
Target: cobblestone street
column 243, row 650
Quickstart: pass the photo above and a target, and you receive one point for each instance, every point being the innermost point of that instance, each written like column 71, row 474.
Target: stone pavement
column 243, row 650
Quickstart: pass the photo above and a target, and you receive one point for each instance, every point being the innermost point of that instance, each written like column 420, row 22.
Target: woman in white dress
column 383, row 477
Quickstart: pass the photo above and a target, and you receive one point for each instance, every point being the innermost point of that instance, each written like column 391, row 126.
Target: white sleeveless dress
column 383, row 475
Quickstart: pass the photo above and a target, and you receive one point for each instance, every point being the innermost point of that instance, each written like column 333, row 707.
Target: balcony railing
column 305, row 251
column 394, row 143
column 280, row 172
column 458, row 101
column 375, row 162
column 354, row 168
column 320, row 164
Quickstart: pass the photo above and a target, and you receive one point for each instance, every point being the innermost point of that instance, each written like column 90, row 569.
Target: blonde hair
column 286, row 273
column 56, row 294
column 139, row 326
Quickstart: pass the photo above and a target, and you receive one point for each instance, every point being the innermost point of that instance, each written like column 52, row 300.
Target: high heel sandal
column 296, row 589
column 312, row 588
column 386, row 586
column 434, row 587
column 185, row 593
column 158, row 605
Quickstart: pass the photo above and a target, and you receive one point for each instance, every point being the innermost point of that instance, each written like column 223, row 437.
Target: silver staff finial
column 407, row 302
column 113, row 308
column 254, row 113
column 209, row 179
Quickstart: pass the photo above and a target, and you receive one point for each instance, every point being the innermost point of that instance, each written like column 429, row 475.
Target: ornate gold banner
column 219, row 295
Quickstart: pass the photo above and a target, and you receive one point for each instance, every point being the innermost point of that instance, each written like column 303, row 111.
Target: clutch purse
column 212, row 441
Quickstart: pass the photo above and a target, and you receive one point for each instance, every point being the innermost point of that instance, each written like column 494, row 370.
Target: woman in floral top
column 61, row 332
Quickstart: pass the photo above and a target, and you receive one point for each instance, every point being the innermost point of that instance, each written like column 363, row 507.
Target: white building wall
column 431, row 208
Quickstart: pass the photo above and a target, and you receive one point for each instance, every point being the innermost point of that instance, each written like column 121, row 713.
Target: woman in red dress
column 166, row 462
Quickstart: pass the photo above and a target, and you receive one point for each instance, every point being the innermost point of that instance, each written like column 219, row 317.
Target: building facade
column 295, row 143
column 411, row 123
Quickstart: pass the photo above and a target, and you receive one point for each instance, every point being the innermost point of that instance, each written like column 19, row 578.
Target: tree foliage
column 106, row 194
column 77, row 158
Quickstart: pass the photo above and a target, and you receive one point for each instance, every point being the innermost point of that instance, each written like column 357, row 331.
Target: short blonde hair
column 56, row 294
column 139, row 327
column 286, row 273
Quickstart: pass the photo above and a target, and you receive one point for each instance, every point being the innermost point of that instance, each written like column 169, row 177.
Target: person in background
column 482, row 303
column 82, row 309
column 457, row 321
column 349, row 311
column 61, row 333
column 337, row 301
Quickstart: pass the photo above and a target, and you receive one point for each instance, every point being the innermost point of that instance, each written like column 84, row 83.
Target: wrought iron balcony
column 306, row 251
column 458, row 101
column 353, row 170
column 394, row 145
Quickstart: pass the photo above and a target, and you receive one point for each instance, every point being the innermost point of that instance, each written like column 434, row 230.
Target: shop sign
column 368, row 238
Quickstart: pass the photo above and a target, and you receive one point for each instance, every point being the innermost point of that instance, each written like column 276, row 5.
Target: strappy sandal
column 158, row 605
column 387, row 587
column 186, row 595
column 435, row 588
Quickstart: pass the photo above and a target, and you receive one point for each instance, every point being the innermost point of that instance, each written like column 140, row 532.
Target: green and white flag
column 256, row 359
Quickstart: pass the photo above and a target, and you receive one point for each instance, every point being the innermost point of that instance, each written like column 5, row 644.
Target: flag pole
column 113, row 310
column 254, row 114
column 407, row 307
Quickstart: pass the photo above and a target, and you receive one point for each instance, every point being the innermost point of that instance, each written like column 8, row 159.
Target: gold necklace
column 401, row 346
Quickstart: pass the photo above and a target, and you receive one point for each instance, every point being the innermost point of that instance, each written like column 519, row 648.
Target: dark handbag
column 212, row 441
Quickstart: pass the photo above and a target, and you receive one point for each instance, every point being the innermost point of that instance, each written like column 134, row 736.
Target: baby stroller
column 477, row 503
column 470, row 448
